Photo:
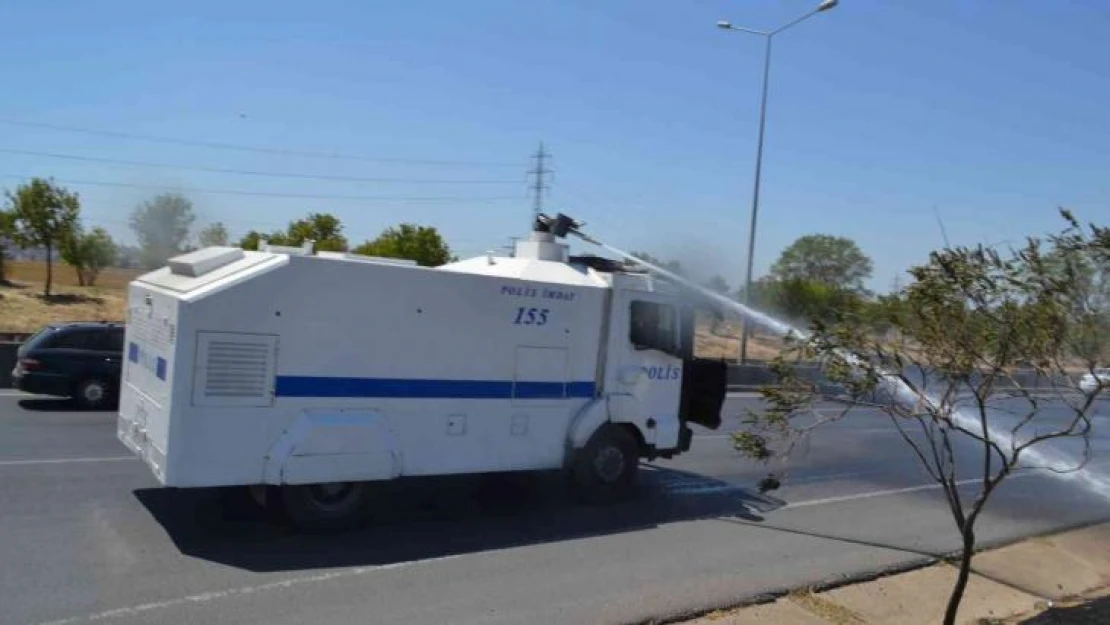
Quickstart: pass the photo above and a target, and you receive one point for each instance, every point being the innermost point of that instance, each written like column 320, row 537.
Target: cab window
column 654, row 326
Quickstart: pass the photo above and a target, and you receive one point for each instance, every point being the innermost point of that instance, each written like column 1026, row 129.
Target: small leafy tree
column 212, row 235
column 253, row 240
column 324, row 229
column 422, row 244
column 976, row 329
column 162, row 225
column 42, row 215
column 830, row 260
column 89, row 253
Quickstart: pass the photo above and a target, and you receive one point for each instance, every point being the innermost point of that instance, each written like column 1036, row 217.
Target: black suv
column 82, row 361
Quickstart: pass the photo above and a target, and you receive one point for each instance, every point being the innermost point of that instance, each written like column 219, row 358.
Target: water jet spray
column 901, row 389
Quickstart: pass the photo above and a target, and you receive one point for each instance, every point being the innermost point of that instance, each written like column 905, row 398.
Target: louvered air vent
column 234, row 369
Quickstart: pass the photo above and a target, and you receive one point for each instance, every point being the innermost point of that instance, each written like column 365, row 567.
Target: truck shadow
column 437, row 517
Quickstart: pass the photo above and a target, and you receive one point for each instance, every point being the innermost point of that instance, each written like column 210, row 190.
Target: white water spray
column 1040, row 457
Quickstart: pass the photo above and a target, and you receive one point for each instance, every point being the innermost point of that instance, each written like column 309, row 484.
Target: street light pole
column 768, row 37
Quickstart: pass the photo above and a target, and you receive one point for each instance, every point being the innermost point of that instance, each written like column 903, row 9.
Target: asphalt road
column 86, row 535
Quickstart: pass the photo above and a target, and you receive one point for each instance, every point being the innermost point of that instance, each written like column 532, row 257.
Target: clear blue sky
column 995, row 111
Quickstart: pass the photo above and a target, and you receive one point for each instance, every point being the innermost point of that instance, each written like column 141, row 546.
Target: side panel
column 334, row 445
column 469, row 373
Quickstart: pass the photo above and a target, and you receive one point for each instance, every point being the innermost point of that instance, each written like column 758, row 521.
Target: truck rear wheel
column 335, row 506
column 605, row 470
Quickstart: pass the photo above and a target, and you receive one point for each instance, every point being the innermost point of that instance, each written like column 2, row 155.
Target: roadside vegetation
column 966, row 320
column 81, row 273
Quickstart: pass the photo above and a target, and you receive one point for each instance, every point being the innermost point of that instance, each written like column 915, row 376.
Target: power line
column 246, row 148
column 303, row 196
column 244, row 172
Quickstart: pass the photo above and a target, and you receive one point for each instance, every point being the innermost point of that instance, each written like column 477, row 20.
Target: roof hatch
column 200, row 262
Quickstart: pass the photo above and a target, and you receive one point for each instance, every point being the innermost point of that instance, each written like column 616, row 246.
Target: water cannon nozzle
column 560, row 225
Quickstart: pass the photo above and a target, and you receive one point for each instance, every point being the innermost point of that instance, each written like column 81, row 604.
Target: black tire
column 93, row 394
column 332, row 507
column 605, row 470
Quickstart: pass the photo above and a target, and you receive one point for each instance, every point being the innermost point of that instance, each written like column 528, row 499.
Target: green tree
column 253, row 240
column 834, row 261
column 89, row 253
column 324, row 229
column 43, row 213
column 804, row 301
column 213, row 234
column 422, row 244
column 969, row 317
column 162, row 226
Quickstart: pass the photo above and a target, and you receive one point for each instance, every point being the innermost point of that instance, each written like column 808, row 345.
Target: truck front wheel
column 605, row 469
column 329, row 507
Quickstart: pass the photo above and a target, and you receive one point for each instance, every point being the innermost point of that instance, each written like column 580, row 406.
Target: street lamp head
column 827, row 4
column 724, row 24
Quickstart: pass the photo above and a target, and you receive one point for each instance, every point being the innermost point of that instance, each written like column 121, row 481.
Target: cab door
column 648, row 380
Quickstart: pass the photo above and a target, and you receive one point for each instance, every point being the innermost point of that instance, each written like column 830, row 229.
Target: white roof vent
column 200, row 262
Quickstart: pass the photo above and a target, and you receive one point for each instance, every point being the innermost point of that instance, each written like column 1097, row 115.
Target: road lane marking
column 889, row 430
column 884, row 493
column 8, row 393
column 17, row 463
column 205, row 597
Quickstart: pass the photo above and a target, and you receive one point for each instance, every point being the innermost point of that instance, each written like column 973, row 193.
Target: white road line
column 889, row 430
column 9, row 393
column 884, row 493
column 17, row 463
column 205, row 597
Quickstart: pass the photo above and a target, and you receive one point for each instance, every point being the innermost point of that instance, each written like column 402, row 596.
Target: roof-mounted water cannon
column 561, row 225
column 542, row 243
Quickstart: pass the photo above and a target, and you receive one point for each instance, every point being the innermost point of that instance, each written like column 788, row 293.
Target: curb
column 847, row 580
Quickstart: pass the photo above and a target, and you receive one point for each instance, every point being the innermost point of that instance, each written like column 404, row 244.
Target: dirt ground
column 24, row 309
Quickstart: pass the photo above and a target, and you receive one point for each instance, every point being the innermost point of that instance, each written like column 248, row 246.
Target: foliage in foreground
column 969, row 319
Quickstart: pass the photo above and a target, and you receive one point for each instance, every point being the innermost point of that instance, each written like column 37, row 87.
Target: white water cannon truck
column 307, row 376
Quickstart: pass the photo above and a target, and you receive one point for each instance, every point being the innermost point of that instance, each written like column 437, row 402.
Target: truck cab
column 653, row 378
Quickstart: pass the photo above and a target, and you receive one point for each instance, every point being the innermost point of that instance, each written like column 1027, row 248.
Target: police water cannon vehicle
column 307, row 376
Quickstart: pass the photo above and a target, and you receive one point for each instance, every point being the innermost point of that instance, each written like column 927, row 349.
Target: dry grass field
column 23, row 309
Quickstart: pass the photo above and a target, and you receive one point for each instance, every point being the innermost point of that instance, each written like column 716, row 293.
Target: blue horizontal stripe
column 314, row 386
